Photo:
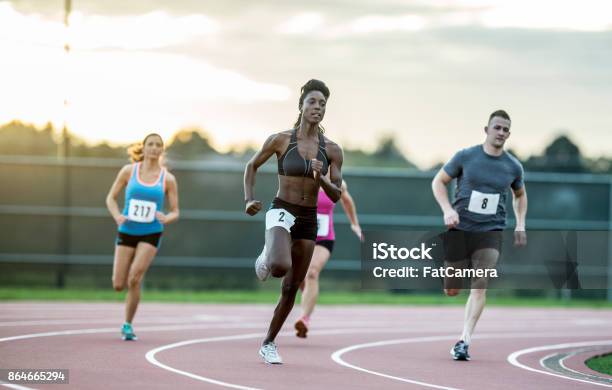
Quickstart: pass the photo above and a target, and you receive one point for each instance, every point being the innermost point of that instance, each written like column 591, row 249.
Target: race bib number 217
column 141, row 211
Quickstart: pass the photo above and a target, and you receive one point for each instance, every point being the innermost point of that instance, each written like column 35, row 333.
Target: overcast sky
column 429, row 72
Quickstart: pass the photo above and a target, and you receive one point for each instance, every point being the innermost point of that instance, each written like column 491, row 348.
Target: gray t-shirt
column 482, row 187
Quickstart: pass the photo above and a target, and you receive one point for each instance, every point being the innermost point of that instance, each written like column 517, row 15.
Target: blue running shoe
column 127, row 333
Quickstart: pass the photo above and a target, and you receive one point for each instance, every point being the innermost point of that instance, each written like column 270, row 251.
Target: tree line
column 17, row 138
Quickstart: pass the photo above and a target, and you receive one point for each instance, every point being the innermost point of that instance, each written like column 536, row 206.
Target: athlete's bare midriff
column 297, row 190
column 301, row 191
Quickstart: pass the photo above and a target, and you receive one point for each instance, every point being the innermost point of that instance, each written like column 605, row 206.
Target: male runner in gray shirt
column 484, row 173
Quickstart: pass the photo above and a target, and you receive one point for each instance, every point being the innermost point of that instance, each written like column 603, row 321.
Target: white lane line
column 224, row 326
column 14, row 386
column 250, row 325
column 177, row 321
column 561, row 361
column 150, row 355
column 513, row 358
column 562, row 364
column 158, row 320
column 337, row 355
column 140, row 329
column 161, row 328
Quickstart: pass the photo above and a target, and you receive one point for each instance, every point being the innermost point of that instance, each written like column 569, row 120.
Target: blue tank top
column 142, row 200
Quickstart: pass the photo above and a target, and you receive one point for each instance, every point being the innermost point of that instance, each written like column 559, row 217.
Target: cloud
column 152, row 30
column 308, row 23
column 303, row 23
column 379, row 23
column 114, row 86
column 156, row 29
column 587, row 16
column 431, row 70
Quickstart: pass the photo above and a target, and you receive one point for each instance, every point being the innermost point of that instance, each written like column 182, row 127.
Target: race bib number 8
column 141, row 211
column 322, row 225
column 281, row 218
column 481, row 203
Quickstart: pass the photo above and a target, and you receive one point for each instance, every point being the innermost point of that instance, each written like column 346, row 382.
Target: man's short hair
column 501, row 114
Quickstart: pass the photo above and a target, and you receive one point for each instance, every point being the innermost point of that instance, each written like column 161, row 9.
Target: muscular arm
column 268, row 149
column 438, row 186
column 333, row 185
column 519, row 204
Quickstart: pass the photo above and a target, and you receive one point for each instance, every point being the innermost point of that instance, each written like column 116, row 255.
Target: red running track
column 188, row 346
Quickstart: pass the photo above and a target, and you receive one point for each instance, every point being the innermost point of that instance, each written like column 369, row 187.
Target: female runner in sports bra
column 304, row 156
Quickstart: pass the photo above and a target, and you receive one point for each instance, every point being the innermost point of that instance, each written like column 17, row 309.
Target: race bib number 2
column 281, row 218
column 141, row 211
column 481, row 203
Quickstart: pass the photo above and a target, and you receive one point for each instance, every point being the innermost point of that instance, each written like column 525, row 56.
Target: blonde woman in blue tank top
column 141, row 222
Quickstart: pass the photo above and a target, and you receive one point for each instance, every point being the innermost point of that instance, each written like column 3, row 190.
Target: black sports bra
column 291, row 163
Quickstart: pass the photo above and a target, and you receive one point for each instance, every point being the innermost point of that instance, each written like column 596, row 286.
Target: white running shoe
column 269, row 354
column 261, row 268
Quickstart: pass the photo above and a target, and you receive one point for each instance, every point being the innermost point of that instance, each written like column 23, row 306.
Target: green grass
column 271, row 296
column 601, row 363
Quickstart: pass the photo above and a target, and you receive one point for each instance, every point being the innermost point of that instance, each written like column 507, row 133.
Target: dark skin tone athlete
column 286, row 257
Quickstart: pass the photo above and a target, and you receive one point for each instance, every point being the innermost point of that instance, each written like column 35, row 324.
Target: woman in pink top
column 323, row 250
